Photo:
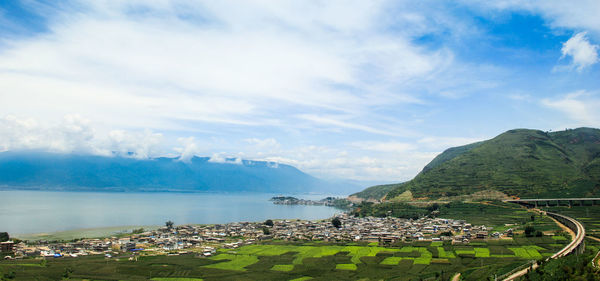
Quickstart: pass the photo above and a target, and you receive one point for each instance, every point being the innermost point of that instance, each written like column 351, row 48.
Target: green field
column 320, row 261
column 574, row 267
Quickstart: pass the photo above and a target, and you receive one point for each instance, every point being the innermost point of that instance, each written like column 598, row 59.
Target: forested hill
column 49, row 171
column 522, row 163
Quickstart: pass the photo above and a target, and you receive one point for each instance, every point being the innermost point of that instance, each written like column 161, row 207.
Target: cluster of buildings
column 205, row 239
column 288, row 200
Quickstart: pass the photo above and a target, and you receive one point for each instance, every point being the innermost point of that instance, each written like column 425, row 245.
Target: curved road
column 569, row 222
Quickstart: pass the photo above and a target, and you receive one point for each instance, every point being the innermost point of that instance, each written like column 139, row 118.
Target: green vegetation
column 524, row 163
column 4, row 236
column 302, row 261
column 346, row 266
column 336, row 222
column 234, row 261
column 399, row 210
column 589, row 216
column 497, row 214
column 302, row 278
column 283, row 267
column 375, row 192
column 573, row 267
column 176, row 279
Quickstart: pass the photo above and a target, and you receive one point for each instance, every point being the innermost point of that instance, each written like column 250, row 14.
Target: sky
column 362, row 90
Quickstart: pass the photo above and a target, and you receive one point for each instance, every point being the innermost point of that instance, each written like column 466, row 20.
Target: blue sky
column 366, row 90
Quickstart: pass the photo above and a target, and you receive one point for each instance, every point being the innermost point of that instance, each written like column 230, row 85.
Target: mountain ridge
column 75, row 172
column 518, row 163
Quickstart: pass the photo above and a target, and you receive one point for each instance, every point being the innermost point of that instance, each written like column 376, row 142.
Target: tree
column 529, row 231
column 4, row 236
column 336, row 222
column 266, row 231
column 169, row 224
column 434, row 207
column 67, row 273
column 9, row 275
column 269, row 222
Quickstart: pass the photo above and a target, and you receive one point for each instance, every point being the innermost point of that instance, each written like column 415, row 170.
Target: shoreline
column 94, row 232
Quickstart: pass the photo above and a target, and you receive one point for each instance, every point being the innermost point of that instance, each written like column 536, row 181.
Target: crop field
column 588, row 215
column 497, row 214
column 308, row 261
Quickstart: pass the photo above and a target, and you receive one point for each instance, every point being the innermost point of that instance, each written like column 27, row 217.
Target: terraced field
column 418, row 259
column 319, row 261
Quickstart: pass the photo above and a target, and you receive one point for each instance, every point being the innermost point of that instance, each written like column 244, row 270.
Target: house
column 7, row 247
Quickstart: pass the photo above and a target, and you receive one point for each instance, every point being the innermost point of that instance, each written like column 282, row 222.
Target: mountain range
column 70, row 172
column 518, row 163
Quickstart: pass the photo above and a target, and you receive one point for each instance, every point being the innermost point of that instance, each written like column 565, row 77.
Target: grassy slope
column 376, row 192
column 524, row 163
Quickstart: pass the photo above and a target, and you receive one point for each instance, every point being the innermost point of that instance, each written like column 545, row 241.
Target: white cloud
column 143, row 144
column 443, row 143
column 189, row 149
column 268, row 143
column 147, row 65
column 582, row 52
column 582, row 14
column 580, row 106
column 223, row 158
column 388, row 147
column 339, row 122
column 74, row 134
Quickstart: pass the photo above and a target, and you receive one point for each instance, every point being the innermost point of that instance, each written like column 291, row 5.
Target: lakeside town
column 206, row 239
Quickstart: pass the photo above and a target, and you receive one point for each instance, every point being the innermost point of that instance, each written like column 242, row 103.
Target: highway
column 576, row 246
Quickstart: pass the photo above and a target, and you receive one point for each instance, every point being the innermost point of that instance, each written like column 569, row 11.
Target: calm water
column 40, row 211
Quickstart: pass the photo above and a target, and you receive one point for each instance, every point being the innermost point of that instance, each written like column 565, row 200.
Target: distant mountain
column 522, row 163
column 49, row 171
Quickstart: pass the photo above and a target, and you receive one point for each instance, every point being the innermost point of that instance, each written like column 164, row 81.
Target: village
column 206, row 239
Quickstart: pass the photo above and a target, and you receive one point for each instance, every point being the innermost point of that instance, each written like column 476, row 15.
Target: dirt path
column 524, row 271
column 456, row 277
column 565, row 228
column 593, row 238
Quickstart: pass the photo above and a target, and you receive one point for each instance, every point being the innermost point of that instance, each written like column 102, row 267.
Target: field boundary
column 577, row 244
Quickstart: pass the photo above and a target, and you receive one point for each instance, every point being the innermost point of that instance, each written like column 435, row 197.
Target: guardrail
column 577, row 245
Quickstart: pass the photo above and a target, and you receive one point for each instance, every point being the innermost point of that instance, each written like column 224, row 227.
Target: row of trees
column 335, row 222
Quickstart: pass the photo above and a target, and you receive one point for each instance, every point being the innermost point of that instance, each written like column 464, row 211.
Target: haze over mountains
column 522, row 163
column 50, row 171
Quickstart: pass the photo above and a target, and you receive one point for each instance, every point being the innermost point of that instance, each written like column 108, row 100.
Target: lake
column 43, row 211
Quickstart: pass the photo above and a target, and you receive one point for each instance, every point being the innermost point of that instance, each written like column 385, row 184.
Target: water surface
column 42, row 211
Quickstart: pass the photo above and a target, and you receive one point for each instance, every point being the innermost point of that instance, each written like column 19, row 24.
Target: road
column 577, row 239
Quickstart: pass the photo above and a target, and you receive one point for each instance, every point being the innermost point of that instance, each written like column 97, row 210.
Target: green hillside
column 375, row 192
column 523, row 163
